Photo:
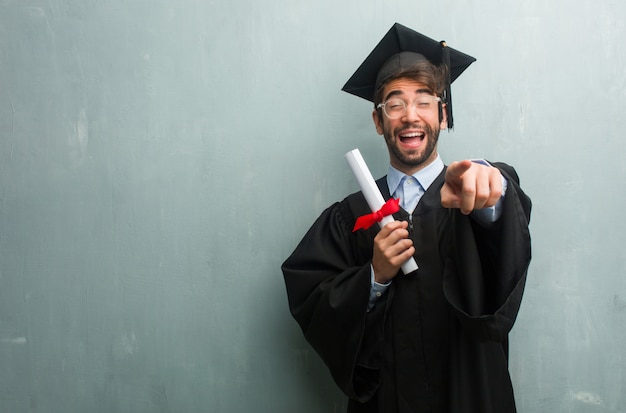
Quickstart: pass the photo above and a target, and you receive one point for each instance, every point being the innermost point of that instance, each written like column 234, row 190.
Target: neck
column 413, row 169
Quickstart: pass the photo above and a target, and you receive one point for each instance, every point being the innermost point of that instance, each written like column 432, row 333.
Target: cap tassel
column 447, row 94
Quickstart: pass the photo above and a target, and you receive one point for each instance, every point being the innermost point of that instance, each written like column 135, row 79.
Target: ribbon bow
column 390, row 207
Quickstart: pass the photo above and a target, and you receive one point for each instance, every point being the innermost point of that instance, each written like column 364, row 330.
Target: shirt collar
column 425, row 176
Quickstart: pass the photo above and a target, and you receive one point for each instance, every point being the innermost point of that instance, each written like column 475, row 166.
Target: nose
column 411, row 114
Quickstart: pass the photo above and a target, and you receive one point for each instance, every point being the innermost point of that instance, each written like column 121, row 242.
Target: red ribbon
column 390, row 207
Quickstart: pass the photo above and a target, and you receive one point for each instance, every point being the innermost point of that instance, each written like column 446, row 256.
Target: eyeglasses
column 395, row 108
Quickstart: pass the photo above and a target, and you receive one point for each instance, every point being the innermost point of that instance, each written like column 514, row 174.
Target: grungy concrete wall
column 159, row 160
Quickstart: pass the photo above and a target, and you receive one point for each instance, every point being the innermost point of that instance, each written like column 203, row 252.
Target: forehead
column 404, row 86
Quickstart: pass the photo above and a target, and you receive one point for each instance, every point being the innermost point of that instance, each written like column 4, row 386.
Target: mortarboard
column 400, row 48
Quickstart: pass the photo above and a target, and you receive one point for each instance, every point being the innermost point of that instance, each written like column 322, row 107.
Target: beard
column 415, row 157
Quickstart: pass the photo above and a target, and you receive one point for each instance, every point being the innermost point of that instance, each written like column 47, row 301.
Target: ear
column 443, row 124
column 378, row 122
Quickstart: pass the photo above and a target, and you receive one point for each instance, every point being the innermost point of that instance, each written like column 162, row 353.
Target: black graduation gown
column 437, row 340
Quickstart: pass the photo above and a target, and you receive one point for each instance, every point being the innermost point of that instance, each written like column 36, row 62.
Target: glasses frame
column 403, row 113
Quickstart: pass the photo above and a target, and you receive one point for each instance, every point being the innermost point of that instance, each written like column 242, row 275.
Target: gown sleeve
column 485, row 272
column 328, row 285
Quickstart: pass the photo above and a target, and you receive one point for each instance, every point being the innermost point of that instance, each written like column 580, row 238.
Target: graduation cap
column 400, row 49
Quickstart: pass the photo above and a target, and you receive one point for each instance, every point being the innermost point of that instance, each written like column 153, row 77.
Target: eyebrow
column 400, row 92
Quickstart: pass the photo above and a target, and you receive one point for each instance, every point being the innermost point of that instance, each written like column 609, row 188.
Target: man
column 434, row 340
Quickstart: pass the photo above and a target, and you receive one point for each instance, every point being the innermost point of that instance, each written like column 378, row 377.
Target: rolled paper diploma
column 372, row 195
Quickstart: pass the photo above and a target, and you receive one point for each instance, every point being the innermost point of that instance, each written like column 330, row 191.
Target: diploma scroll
column 372, row 195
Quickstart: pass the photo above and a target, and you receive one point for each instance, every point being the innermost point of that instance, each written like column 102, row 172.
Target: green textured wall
column 159, row 160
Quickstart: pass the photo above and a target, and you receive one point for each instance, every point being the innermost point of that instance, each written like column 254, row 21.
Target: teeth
column 412, row 135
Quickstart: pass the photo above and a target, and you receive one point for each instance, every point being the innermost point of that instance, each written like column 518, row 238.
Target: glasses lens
column 424, row 103
column 394, row 108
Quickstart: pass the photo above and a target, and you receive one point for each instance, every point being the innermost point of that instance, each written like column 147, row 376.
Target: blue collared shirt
column 425, row 177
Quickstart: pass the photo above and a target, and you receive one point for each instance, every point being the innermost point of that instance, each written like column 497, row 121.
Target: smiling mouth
column 412, row 138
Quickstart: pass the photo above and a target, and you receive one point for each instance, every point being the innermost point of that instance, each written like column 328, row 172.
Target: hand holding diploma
column 391, row 243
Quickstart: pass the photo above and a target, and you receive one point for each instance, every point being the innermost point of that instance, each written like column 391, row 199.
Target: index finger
column 392, row 226
column 456, row 170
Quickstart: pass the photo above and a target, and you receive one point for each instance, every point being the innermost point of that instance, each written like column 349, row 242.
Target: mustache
column 420, row 128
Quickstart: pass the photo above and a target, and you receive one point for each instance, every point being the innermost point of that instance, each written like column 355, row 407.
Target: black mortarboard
column 400, row 48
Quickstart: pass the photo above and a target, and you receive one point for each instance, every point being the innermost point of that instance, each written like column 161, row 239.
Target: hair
column 424, row 72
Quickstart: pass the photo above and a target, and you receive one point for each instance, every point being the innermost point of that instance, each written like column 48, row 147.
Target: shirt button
column 378, row 294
